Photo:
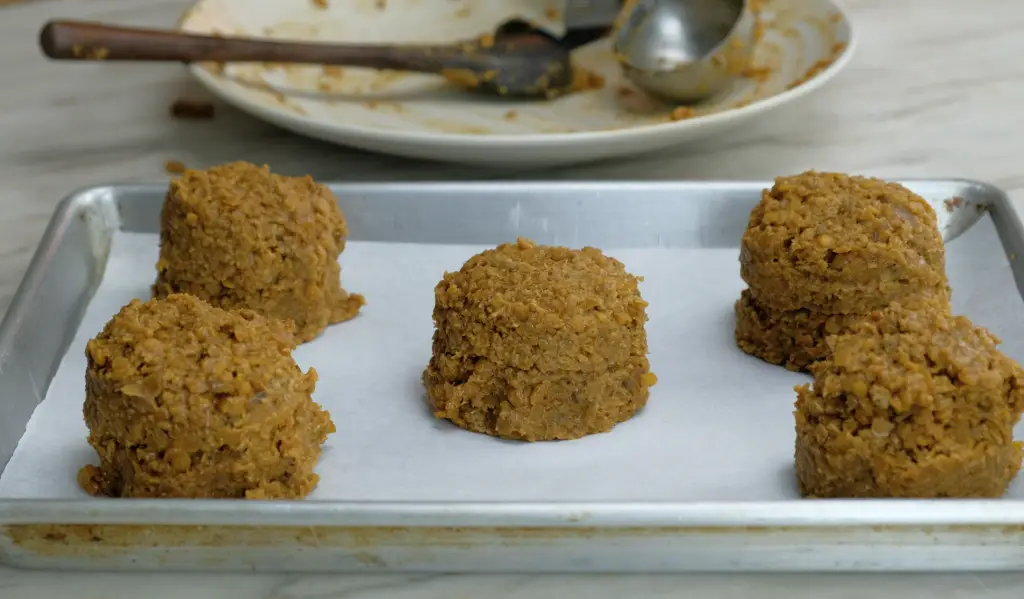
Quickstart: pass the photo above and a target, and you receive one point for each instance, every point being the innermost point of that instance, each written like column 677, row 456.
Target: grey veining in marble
column 935, row 90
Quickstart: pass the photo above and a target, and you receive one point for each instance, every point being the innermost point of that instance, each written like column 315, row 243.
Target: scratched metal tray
column 979, row 222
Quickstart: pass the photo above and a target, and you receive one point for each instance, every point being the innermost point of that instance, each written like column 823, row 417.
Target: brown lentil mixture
column 840, row 244
column 913, row 403
column 796, row 339
column 187, row 400
column 239, row 236
column 539, row 343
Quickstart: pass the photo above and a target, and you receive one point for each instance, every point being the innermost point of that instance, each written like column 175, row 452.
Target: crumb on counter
column 321, row 4
column 174, row 167
column 192, row 109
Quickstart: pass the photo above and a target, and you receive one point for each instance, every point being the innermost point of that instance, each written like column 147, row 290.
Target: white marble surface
column 935, row 90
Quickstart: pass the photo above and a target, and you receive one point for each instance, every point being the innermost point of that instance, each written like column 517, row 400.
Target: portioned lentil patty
column 184, row 399
column 912, row 403
column 539, row 343
column 840, row 244
column 239, row 236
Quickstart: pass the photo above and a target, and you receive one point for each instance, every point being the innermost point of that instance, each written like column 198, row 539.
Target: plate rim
column 327, row 130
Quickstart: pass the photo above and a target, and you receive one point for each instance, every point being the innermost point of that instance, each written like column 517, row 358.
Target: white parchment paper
column 718, row 427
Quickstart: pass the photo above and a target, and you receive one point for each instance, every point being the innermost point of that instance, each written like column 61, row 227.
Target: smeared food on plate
column 796, row 41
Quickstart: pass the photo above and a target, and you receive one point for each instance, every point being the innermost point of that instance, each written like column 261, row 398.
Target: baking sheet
column 718, row 426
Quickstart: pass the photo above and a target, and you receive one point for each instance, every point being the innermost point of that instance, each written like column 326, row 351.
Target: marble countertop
column 935, row 90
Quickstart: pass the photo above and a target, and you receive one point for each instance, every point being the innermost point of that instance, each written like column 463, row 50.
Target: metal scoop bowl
column 686, row 50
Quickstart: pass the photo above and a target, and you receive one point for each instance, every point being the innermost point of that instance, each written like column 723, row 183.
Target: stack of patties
column 821, row 251
column 538, row 343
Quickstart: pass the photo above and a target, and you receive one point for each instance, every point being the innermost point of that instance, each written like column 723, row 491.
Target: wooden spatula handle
column 77, row 40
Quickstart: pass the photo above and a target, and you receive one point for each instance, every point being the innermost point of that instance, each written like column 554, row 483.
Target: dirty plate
column 804, row 44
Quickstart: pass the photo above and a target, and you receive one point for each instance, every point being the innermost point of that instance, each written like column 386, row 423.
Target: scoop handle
column 81, row 40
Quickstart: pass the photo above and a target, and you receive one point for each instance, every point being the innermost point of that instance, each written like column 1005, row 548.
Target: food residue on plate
column 461, row 77
column 783, row 59
column 585, row 80
column 819, row 66
column 681, row 113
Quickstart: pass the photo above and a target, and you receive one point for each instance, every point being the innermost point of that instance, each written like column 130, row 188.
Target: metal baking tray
column 493, row 536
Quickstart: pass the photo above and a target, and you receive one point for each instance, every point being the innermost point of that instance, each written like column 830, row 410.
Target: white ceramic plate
column 805, row 43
